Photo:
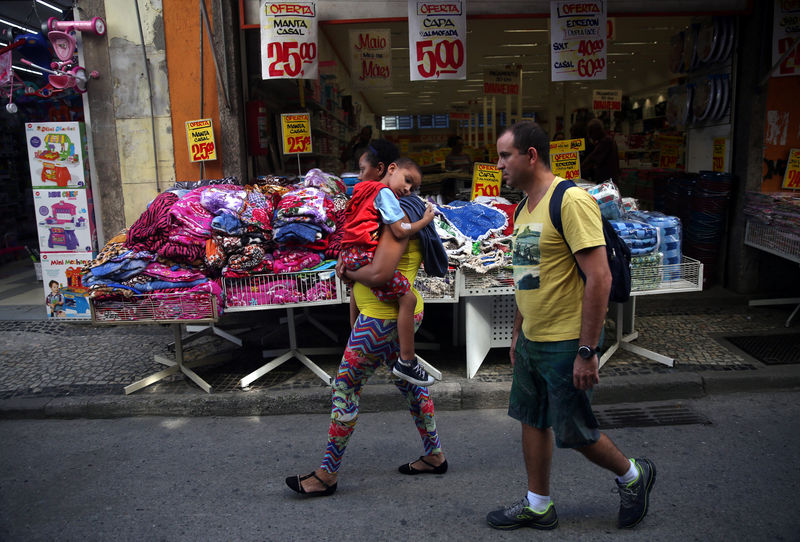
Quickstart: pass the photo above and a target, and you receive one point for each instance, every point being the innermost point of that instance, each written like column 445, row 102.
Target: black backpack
column 618, row 253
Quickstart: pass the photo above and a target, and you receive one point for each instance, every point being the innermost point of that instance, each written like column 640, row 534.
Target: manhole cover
column 612, row 417
column 769, row 349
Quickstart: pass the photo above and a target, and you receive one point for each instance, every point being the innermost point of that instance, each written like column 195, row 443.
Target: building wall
column 191, row 100
column 145, row 162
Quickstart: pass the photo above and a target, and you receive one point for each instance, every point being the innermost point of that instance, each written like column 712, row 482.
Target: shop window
column 397, row 122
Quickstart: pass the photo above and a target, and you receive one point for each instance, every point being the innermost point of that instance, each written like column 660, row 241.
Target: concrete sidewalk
column 58, row 369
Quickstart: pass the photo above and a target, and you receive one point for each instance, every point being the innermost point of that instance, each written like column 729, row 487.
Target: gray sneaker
column 634, row 497
column 520, row 514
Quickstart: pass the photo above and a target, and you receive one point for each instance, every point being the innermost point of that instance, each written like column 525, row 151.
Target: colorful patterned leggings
column 372, row 342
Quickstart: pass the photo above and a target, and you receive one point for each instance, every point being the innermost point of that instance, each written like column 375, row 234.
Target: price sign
column 296, row 130
column 607, row 100
column 785, row 29
column 437, row 31
column 791, row 178
column 567, row 145
column 486, row 180
column 718, row 154
column 578, row 40
column 668, row 158
column 501, row 82
column 289, row 40
column 564, row 158
column 566, row 164
column 200, row 137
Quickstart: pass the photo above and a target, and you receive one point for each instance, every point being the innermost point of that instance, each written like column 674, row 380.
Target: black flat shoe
column 295, row 484
column 408, row 469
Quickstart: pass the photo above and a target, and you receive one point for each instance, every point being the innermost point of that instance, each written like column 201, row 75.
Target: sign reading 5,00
column 437, row 31
column 437, row 57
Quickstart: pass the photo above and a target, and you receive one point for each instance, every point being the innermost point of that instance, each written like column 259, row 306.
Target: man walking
column 557, row 330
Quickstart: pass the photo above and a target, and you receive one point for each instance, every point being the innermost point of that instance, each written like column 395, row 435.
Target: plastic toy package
column 609, row 199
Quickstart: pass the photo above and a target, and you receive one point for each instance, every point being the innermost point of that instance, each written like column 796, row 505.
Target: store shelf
column 686, row 276
column 156, row 308
column 282, row 290
column 438, row 289
column 496, row 282
column 780, row 242
column 432, row 289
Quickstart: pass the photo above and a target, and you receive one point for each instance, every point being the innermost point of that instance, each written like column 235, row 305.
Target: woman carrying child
column 372, row 342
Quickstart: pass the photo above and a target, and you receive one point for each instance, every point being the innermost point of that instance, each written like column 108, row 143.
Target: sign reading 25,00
column 436, row 39
column 289, row 40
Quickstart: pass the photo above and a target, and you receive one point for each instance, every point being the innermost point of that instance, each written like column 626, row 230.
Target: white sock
column 538, row 503
column 630, row 476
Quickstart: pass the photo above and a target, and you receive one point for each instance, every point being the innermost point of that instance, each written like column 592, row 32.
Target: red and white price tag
column 435, row 58
column 437, row 31
column 289, row 40
column 578, row 40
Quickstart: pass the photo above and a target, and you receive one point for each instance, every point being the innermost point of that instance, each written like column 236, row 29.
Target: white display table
column 780, row 242
column 173, row 308
column 490, row 309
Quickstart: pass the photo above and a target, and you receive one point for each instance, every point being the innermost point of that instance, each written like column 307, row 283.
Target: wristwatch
column 586, row 352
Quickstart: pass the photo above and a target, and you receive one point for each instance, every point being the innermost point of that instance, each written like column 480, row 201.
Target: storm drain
column 769, row 349
column 612, row 417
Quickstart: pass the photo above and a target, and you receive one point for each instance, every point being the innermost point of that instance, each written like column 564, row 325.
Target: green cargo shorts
column 542, row 393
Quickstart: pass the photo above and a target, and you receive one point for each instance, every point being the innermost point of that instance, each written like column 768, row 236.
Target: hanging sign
column 792, row 177
column 296, row 131
column 578, row 40
column 371, row 58
column 564, row 158
column 607, row 100
column 486, row 180
column 718, row 154
column 501, row 82
column 785, row 29
column 289, row 40
column 437, row 39
column 200, row 136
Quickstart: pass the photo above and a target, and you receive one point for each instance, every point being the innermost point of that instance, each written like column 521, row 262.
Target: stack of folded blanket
column 641, row 238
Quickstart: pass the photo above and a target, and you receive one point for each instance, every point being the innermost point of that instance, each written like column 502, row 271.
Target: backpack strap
column 555, row 206
column 520, row 207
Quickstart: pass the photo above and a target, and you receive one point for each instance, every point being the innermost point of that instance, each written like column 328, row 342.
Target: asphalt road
column 222, row 478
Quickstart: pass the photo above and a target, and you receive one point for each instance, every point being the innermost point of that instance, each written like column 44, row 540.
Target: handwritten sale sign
column 289, row 40
column 607, row 100
column 200, row 137
column 792, row 177
column 296, row 131
column 371, row 58
column 578, row 40
column 486, row 180
column 718, row 154
column 501, row 82
column 437, row 36
column 564, row 158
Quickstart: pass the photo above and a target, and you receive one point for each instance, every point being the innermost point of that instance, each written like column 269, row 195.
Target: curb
column 384, row 397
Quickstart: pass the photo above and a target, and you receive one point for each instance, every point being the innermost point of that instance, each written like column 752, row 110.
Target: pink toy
column 95, row 25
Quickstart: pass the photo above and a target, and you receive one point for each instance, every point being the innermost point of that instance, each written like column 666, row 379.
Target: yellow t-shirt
column 371, row 306
column 547, row 286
